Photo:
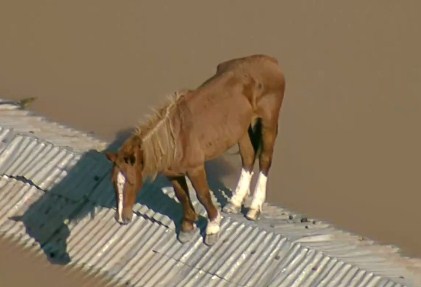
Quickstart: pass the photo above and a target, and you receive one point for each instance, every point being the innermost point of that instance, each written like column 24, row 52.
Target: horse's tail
column 255, row 133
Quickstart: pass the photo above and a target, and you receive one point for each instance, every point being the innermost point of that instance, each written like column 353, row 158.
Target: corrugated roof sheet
column 56, row 198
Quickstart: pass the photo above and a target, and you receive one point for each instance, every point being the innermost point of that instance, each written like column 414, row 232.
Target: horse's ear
column 111, row 156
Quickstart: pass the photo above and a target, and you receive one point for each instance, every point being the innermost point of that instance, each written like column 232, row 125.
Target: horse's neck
column 159, row 148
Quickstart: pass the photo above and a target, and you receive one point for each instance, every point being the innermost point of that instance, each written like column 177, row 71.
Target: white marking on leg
column 259, row 194
column 121, row 181
column 243, row 187
column 213, row 226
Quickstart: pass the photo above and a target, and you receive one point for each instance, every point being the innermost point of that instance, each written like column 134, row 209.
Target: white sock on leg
column 243, row 187
column 259, row 194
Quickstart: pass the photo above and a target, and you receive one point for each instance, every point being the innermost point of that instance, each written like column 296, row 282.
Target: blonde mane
column 158, row 137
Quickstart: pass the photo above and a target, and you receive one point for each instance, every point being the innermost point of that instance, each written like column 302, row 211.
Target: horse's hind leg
column 269, row 133
column 189, row 214
column 197, row 177
column 248, row 155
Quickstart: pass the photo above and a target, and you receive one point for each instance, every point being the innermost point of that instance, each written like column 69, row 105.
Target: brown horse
column 240, row 105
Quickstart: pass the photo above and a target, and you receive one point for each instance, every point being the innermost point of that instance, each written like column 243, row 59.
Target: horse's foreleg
column 197, row 177
column 269, row 132
column 248, row 154
column 189, row 214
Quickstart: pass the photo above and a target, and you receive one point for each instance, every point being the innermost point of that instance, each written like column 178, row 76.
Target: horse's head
column 127, row 177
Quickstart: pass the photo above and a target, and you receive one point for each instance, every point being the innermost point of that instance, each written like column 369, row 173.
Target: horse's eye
column 130, row 159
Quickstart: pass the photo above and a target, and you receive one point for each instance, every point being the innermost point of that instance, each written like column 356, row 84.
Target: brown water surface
column 18, row 267
column 348, row 149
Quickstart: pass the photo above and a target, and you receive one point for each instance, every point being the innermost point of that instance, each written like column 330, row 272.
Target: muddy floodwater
column 348, row 149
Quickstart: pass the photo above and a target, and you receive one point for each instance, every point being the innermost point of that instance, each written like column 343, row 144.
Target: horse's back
column 253, row 61
column 262, row 79
column 263, row 70
column 240, row 88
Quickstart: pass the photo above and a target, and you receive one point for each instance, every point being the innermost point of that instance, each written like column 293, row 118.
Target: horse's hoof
column 253, row 214
column 231, row 208
column 186, row 236
column 210, row 239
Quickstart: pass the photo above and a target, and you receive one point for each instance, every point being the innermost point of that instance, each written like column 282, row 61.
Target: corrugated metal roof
column 56, row 198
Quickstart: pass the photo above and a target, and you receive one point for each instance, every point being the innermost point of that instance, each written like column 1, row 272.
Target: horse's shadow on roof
column 86, row 187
